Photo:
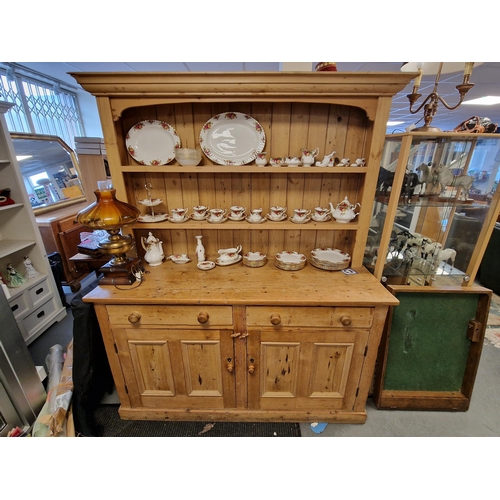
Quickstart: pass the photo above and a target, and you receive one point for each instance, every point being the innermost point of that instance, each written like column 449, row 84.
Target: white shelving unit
column 36, row 305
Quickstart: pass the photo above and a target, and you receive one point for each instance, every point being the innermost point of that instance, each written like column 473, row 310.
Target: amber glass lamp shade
column 109, row 214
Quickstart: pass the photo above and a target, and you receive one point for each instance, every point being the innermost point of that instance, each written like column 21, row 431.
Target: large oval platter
column 232, row 138
column 152, row 142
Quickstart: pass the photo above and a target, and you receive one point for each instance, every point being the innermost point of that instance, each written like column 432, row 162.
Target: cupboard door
column 170, row 368
column 299, row 369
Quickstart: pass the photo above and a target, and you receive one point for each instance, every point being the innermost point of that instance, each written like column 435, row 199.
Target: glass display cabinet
column 435, row 208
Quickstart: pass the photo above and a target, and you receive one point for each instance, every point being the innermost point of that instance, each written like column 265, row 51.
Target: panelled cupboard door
column 304, row 369
column 177, row 368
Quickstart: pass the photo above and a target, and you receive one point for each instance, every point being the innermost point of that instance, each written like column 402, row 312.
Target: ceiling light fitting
column 431, row 102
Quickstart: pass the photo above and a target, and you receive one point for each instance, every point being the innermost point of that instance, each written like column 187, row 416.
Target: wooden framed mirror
column 50, row 171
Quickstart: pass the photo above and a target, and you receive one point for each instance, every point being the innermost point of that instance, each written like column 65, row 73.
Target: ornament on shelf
column 15, row 278
column 31, row 272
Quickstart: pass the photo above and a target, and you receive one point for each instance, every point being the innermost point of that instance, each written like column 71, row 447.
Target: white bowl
column 187, row 162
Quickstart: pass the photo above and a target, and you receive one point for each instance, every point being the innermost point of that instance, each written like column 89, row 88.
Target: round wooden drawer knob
column 134, row 317
column 275, row 319
column 345, row 320
column 202, row 317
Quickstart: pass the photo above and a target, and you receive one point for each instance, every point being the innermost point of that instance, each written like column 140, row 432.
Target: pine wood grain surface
column 172, row 283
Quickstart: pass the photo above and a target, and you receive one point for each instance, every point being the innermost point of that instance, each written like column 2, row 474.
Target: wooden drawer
column 39, row 293
column 171, row 315
column 321, row 317
column 18, row 306
column 39, row 315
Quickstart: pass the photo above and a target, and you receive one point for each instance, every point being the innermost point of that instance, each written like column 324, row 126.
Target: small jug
column 308, row 157
column 261, row 159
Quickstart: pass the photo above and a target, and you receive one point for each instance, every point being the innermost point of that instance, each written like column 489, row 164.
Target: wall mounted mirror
column 50, row 171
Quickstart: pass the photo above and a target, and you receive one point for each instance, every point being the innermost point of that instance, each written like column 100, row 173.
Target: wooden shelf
column 243, row 225
column 253, row 169
column 8, row 247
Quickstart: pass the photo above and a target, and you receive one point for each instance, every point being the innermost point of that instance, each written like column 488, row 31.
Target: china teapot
column 344, row 211
column 154, row 250
column 309, row 156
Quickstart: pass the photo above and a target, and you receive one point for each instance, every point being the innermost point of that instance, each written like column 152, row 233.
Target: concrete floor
column 482, row 419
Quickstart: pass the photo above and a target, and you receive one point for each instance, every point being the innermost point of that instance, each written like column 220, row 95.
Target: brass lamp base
column 119, row 274
column 427, row 128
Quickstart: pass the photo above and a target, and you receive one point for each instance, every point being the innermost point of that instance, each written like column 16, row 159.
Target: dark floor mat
column 109, row 424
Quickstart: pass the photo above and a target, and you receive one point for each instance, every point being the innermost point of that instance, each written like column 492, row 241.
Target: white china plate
column 151, row 218
column 206, row 265
column 219, row 263
column 152, row 142
column 283, row 217
column 290, row 257
column 232, row 138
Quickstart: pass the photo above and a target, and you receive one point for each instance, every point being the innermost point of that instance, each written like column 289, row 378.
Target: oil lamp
column 109, row 214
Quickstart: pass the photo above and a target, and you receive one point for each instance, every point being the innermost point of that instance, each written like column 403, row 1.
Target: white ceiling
column 486, row 78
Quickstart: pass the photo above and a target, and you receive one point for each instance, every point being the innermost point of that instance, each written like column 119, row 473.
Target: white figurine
column 31, row 272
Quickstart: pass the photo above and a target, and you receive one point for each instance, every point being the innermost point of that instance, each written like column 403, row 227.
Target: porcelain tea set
column 308, row 159
column 342, row 212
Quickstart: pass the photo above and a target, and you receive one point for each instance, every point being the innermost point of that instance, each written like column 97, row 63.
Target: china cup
column 237, row 212
column 200, row 212
column 321, row 213
column 300, row 214
column 277, row 212
column 179, row 213
column 256, row 215
column 217, row 214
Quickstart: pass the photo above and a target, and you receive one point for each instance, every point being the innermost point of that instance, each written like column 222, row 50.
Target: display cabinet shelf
column 36, row 305
column 429, row 229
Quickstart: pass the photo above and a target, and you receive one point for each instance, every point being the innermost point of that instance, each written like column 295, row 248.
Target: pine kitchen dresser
column 240, row 343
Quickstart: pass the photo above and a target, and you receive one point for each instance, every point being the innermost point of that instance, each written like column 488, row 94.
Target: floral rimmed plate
column 232, row 138
column 330, row 259
column 290, row 261
column 152, row 142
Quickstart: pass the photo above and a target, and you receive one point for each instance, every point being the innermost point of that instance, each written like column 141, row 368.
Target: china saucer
column 317, row 219
column 236, row 219
column 220, row 221
column 219, row 263
column 192, row 217
column 262, row 219
column 268, row 217
column 205, row 265
column 303, row 221
column 176, row 221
